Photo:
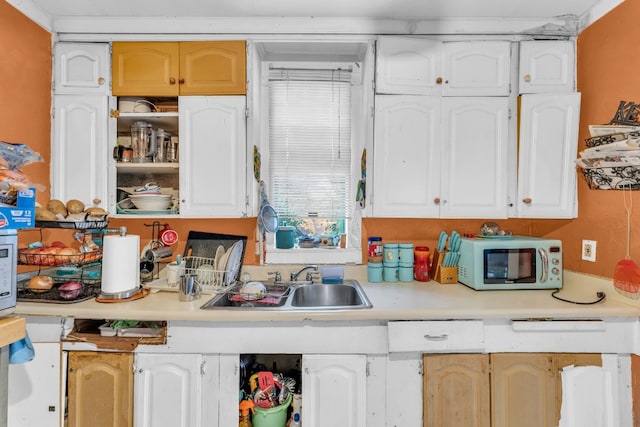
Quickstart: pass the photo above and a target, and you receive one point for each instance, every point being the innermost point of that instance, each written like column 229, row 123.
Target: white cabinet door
column 474, row 165
column 478, row 68
column 167, row 390
column 212, row 156
column 406, row 159
column 548, row 147
column 334, row 390
column 80, row 153
column 34, row 389
column 407, row 65
column 547, row 66
column 82, row 68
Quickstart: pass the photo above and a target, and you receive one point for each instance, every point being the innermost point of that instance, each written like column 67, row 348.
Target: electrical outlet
column 589, row 250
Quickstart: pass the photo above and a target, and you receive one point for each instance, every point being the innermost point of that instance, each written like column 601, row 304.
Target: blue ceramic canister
column 285, row 237
column 389, row 273
column 390, row 253
column 405, row 253
column 405, row 272
column 374, row 272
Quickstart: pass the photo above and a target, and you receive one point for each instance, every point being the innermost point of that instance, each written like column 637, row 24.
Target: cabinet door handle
column 527, row 78
column 100, row 81
column 172, row 80
column 436, row 200
column 442, row 337
column 181, row 80
column 527, row 200
column 439, row 80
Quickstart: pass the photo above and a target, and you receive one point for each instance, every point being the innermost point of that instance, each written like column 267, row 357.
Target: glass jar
column 375, row 249
column 421, row 267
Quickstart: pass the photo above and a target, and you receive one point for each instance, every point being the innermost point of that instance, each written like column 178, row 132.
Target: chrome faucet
column 277, row 276
column 309, row 278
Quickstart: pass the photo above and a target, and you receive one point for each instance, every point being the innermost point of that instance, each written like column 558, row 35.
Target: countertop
column 12, row 329
column 391, row 301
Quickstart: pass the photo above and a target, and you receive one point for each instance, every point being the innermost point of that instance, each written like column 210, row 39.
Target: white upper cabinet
column 406, row 160
column 409, row 66
column 80, row 153
column 418, row 66
column 212, row 156
column 548, row 148
column 82, row 68
column 547, row 66
column 440, row 157
column 474, row 160
column 478, row 68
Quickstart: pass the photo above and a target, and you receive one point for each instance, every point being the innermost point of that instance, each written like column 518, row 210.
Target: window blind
column 310, row 143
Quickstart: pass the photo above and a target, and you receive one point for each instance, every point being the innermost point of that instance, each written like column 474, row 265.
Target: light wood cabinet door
column 168, row 69
column 100, row 389
column 213, row 68
column 523, row 390
column 456, row 390
column 145, row 69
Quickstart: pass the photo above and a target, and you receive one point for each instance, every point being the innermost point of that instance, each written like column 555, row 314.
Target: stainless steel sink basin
column 295, row 296
column 330, row 296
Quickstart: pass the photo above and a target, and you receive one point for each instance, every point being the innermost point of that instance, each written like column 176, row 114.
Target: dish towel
column 21, row 351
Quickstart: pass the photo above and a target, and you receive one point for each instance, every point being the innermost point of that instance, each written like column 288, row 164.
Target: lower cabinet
column 497, row 390
column 100, row 389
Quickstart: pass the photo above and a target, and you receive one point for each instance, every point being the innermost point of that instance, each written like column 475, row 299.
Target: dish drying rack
column 209, row 278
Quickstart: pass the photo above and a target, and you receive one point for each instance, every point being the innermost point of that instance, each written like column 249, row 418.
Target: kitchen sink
column 295, row 296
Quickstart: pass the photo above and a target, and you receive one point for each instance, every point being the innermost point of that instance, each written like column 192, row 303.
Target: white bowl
column 151, row 202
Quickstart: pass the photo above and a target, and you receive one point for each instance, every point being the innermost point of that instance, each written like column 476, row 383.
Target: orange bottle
column 245, row 418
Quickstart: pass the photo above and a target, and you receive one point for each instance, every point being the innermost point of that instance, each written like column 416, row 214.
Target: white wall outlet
column 589, row 250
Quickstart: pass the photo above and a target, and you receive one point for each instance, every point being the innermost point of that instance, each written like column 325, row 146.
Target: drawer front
column 436, row 336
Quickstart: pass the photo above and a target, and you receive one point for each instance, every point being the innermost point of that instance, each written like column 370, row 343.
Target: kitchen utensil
column 143, row 142
column 454, row 241
column 189, row 289
column 442, row 240
column 268, row 217
column 626, row 277
column 163, row 141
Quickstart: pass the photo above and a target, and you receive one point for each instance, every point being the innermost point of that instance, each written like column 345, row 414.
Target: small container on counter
column 421, row 268
column 390, row 273
column 405, row 253
column 405, row 272
column 375, row 249
column 374, row 272
column 390, row 252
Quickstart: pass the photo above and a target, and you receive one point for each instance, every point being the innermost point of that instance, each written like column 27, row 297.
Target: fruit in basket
column 70, row 290
column 75, row 206
column 43, row 214
column 40, row 283
column 57, row 207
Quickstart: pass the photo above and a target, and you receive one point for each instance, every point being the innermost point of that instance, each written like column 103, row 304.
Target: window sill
column 314, row 256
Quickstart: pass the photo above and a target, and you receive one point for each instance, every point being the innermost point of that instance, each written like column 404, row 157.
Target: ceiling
column 73, row 15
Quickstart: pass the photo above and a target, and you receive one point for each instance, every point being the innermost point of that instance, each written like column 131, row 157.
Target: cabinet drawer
column 436, row 336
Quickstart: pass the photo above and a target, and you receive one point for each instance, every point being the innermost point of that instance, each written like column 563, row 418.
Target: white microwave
column 8, row 270
column 510, row 262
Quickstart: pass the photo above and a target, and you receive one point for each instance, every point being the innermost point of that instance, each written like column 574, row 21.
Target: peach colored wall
column 25, row 89
column 606, row 73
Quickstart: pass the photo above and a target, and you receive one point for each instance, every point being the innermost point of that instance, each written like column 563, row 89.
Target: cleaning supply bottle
column 245, row 417
column 296, row 420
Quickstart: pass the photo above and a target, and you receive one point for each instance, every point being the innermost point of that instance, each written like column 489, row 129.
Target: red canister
column 421, row 269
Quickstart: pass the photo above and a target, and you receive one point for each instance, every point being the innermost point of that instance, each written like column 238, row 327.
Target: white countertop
column 391, row 301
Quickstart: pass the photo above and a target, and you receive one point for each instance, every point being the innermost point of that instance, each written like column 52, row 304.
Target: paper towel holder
column 122, row 295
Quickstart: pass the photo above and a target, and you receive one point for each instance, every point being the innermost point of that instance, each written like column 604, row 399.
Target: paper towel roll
column 120, row 263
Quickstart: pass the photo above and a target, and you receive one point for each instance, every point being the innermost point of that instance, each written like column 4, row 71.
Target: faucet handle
column 311, row 275
column 278, row 276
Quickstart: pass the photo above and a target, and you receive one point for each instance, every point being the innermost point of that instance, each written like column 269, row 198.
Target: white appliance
column 8, row 270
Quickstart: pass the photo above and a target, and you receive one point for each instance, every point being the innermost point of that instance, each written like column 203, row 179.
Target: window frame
column 362, row 137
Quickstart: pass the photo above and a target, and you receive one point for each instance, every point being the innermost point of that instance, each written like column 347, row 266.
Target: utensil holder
column 445, row 275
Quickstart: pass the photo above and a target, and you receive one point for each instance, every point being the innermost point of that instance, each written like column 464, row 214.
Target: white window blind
column 310, row 143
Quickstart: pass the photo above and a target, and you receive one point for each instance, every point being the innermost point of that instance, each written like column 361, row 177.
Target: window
column 311, row 121
column 310, row 151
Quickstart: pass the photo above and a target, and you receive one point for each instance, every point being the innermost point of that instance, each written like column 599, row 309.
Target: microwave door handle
column 545, row 265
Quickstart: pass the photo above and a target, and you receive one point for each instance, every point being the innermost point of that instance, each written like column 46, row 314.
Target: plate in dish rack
column 233, row 262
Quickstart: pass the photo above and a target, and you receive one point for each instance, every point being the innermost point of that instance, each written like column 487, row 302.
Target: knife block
column 442, row 274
